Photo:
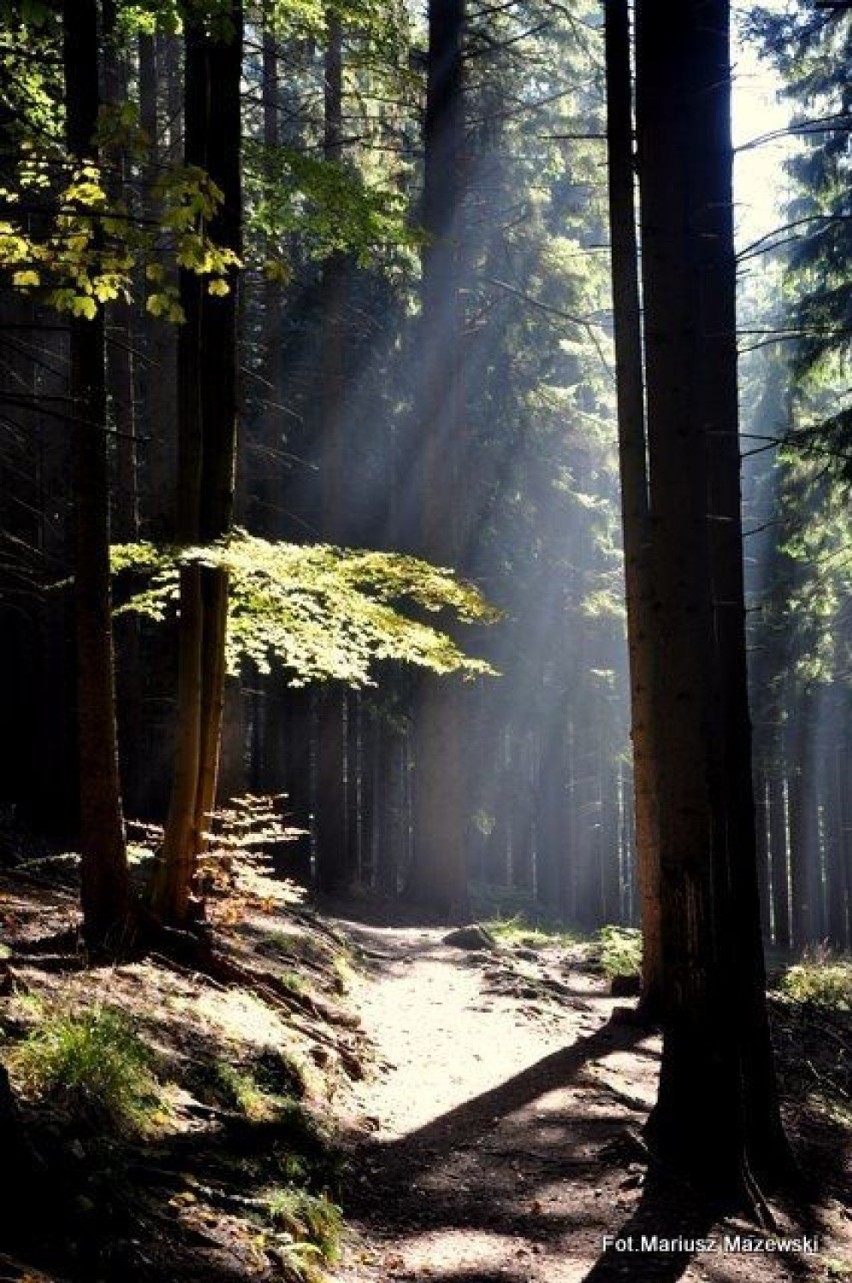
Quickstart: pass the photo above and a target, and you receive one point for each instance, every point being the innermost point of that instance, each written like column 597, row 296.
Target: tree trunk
column 833, row 780
column 207, row 377
column 551, row 856
column 635, row 514
column 159, row 374
column 804, row 825
column 779, row 868
column 121, row 389
column 389, row 807
column 104, row 875
column 716, row 1117
column 439, row 873
column 335, row 857
column 762, row 853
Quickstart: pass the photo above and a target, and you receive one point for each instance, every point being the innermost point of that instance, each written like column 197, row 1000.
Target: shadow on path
column 467, row 1122
column 660, row 1238
column 485, row 1163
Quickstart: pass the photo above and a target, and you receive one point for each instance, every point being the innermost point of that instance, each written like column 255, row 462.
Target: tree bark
column 439, row 873
column 716, row 1117
column 635, row 512
column 158, row 375
column 335, row 856
column 779, row 869
column 207, row 419
column 804, row 825
column 104, row 874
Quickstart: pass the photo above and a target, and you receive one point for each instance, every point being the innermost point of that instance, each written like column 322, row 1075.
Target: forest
column 425, row 640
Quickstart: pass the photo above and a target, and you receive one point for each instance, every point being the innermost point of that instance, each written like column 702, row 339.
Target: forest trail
column 497, row 1135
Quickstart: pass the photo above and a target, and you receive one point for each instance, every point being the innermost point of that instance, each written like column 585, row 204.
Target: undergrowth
column 92, row 1064
column 238, row 1089
column 125, row 1076
column 619, row 950
column 528, row 933
column 271, row 1085
column 487, row 902
column 311, row 1221
column 820, row 978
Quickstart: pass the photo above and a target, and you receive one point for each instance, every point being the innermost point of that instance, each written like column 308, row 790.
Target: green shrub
column 93, row 1064
column 820, row 979
column 619, row 950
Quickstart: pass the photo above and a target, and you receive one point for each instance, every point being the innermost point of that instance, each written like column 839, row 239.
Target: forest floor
column 504, row 1129
column 475, row 1111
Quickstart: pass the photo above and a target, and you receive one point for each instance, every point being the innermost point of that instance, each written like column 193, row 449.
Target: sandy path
column 496, row 1147
column 444, row 1038
column 459, row 1181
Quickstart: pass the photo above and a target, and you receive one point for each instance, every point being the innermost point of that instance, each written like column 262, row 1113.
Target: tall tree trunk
column 762, row 850
column 779, row 868
column 207, row 376
column 551, row 857
column 286, row 762
column 121, row 387
column 716, row 1117
column 390, row 807
column 104, row 875
column 158, row 376
column 156, row 391
column 635, row 514
column 833, row 781
column 335, row 856
column 804, row 825
column 439, row 874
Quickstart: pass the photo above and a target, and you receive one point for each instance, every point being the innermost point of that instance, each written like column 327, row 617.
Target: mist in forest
column 426, row 365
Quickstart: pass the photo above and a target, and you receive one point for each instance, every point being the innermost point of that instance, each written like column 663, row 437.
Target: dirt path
column 496, row 1129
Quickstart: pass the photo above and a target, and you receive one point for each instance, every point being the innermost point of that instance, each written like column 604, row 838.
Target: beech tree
column 207, row 425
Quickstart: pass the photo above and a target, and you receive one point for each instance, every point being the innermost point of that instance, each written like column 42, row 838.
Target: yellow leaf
column 84, row 306
column 218, row 287
column 23, row 279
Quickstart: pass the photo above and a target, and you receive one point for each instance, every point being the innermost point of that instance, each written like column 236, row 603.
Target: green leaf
column 324, row 613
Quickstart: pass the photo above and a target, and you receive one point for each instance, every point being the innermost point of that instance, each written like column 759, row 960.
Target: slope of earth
column 499, row 1138
column 178, row 1105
